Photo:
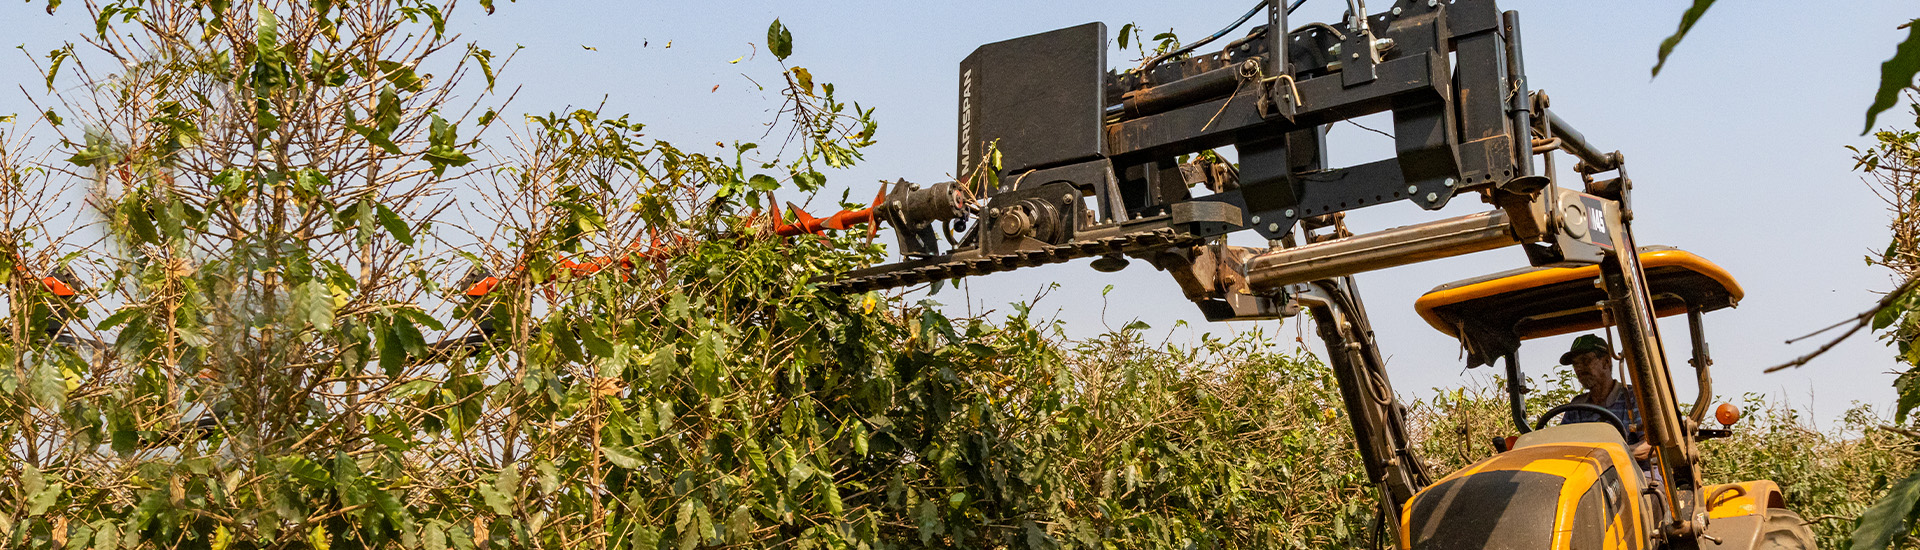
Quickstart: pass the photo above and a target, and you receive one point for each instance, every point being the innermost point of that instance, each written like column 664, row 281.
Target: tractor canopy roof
column 1491, row 314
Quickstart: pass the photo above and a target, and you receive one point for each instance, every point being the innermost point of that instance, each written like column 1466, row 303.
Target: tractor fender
column 1737, row 513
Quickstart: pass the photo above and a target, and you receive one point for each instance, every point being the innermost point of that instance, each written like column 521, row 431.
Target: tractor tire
column 1785, row 530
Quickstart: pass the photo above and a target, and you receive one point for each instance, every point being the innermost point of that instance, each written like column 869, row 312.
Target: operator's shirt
column 1620, row 402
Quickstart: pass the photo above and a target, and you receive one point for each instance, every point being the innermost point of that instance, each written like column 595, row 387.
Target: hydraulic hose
column 1215, row 36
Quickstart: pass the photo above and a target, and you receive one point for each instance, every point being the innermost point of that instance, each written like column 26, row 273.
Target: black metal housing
column 1126, row 142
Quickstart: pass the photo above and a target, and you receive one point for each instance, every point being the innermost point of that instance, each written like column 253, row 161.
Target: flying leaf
column 54, row 60
column 1686, row 24
column 779, row 40
column 485, row 59
column 1896, row 75
column 804, row 79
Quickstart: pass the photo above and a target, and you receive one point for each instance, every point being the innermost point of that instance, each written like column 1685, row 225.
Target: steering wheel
column 1605, row 415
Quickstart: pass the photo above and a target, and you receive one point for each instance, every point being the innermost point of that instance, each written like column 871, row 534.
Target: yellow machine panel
column 1539, row 302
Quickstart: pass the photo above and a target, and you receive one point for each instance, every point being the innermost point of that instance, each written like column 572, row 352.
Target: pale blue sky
column 1737, row 152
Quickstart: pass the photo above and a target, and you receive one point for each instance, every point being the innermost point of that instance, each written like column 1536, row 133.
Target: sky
column 1738, row 150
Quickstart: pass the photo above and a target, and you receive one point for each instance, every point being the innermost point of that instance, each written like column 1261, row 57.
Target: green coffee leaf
column 313, row 303
column 305, row 470
column 619, row 457
column 549, row 476
column 433, row 536
column 394, row 224
column 683, row 520
column 32, row 481
column 645, row 537
column 499, row 502
column 740, row 525
column 763, row 182
column 266, row 31
column 78, row 536
column 442, row 147
column 106, row 535
column 1888, row 517
column 47, row 386
column 40, row 501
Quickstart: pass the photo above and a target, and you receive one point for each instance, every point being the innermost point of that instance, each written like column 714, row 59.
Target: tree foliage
column 278, row 197
column 1892, row 165
column 282, row 207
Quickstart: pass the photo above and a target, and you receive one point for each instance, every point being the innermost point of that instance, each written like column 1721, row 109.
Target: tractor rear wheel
column 1785, row 530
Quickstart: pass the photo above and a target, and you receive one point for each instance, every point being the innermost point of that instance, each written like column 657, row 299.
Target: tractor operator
column 1592, row 361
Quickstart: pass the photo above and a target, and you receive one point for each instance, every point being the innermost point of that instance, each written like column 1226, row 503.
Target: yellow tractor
column 1060, row 158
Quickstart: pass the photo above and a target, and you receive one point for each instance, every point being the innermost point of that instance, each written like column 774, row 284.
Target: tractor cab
column 1491, row 315
column 1570, row 486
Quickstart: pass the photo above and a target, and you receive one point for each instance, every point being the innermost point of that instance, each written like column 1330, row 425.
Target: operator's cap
column 1583, row 344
